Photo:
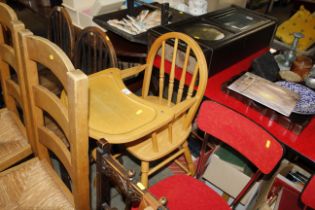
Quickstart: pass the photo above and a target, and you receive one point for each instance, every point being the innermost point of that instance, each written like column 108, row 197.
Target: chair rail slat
column 55, row 144
column 183, row 76
column 14, row 91
column 47, row 101
column 172, row 74
column 8, row 55
column 162, row 71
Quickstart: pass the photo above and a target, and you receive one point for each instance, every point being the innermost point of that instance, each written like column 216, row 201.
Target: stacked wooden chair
column 93, row 51
column 61, row 30
column 35, row 184
column 15, row 141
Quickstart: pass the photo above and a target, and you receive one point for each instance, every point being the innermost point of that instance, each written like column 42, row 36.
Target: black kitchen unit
column 226, row 36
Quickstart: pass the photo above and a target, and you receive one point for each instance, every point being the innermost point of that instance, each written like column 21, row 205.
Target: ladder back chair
column 94, row 51
column 180, row 90
column 35, row 184
column 242, row 135
column 15, row 117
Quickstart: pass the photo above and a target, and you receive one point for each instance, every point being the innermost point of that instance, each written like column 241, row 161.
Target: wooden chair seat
column 13, row 140
column 31, row 185
column 145, row 149
column 188, row 193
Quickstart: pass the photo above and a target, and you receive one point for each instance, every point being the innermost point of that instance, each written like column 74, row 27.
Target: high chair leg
column 187, row 154
column 145, row 173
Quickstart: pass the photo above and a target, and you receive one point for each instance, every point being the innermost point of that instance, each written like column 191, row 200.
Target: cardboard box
column 290, row 167
column 105, row 6
column 86, row 19
column 73, row 13
column 74, row 7
column 229, row 178
column 219, row 4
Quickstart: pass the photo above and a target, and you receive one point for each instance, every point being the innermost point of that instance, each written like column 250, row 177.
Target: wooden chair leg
column 145, row 173
column 187, row 154
column 102, row 182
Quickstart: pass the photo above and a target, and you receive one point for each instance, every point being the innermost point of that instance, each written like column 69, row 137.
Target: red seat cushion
column 308, row 195
column 187, row 193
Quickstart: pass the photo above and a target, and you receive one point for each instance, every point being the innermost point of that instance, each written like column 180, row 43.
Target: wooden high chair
column 35, row 184
column 15, row 118
column 93, row 51
column 182, row 98
column 241, row 134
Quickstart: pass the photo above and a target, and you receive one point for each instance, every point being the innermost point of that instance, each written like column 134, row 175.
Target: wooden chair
column 60, row 30
column 14, row 138
column 35, row 184
column 94, row 51
column 241, row 134
column 308, row 194
column 110, row 172
column 171, row 140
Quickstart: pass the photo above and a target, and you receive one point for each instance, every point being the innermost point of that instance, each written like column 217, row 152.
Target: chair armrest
column 132, row 71
column 110, row 170
column 183, row 106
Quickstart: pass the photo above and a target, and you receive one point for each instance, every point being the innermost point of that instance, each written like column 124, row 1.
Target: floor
column 38, row 25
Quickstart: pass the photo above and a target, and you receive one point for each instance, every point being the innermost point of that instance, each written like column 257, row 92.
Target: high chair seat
column 33, row 185
column 184, row 192
column 144, row 149
column 13, row 141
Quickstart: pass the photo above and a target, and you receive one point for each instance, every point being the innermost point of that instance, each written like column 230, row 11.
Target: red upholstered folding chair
column 243, row 135
column 308, row 194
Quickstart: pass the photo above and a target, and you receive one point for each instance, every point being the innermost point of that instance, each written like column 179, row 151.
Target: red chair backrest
column 308, row 195
column 240, row 133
